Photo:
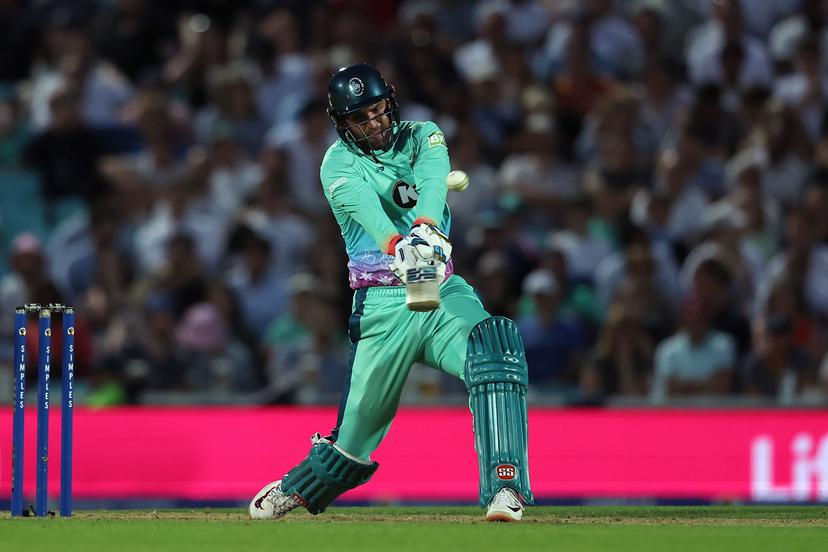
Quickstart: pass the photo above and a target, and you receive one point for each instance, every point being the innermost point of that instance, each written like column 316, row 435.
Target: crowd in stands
column 648, row 198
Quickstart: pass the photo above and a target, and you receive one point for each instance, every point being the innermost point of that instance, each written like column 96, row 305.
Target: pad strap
column 496, row 376
column 325, row 474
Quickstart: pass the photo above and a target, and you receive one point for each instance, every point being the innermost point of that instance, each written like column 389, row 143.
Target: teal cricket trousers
column 387, row 339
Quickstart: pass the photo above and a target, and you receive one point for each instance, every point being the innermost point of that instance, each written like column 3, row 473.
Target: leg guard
column 496, row 376
column 324, row 475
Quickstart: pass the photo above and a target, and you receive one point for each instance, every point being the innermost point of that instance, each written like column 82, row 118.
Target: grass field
column 402, row 529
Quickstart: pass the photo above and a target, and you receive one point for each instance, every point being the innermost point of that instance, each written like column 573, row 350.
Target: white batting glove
column 435, row 238
column 410, row 253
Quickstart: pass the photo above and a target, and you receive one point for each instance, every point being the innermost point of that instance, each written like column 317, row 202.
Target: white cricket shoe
column 505, row 506
column 271, row 502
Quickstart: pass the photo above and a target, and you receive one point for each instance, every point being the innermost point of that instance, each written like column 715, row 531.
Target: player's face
column 371, row 123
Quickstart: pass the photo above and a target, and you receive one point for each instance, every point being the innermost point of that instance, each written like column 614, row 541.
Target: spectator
column 310, row 366
column 578, row 296
column 778, row 369
column 697, row 360
column 18, row 32
column 663, row 97
column 273, row 213
column 577, row 85
column 622, row 358
column 102, row 91
column 160, row 164
column 713, row 285
column 584, row 251
column 723, row 239
column 105, row 258
column 788, row 33
column 257, row 284
column 777, row 146
column 183, row 209
column 233, row 106
column 304, row 145
column 135, row 35
column 617, row 119
column 806, row 89
column 640, row 294
column 28, row 282
column 657, row 262
column 286, row 85
column 614, row 43
column 467, row 154
column 14, row 128
column 554, row 344
column 179, row 276
column 203, row 48
column 232, row 178
column 66, row 154
column 147, row 352
column 815, row 202
column 804, row 260
column 763, row 214
column 706, row 45
column 786, row 300
column 537, row 172
column 212, row 361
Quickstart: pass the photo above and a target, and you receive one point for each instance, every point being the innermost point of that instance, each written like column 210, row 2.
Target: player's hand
column 438, row 241
column 413, row 252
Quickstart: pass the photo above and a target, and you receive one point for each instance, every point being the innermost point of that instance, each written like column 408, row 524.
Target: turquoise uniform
column 375, row 201
column 377, row 197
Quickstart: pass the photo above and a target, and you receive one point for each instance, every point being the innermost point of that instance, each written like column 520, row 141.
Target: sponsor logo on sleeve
column 436, row 139
column 336, row 184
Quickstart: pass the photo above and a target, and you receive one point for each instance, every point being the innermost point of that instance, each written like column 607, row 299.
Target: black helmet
column 352, row 88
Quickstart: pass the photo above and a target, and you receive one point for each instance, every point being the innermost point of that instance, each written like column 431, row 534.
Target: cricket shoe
column 271, row 502
column 505, row 506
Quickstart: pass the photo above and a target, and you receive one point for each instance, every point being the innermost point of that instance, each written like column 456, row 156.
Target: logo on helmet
column 356, row 86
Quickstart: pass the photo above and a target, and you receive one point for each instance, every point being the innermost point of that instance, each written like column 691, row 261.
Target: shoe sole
column 259, row 496
column 501, row 517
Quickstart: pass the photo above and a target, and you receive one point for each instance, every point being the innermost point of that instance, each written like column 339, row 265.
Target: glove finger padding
column 438, row 241
column 412, row 252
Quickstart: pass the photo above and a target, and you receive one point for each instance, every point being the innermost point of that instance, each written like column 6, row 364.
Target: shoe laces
column 508, row 496
column 317, row 438
column 281, row 502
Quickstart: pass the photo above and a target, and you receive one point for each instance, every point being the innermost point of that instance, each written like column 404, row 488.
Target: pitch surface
column 403, row 529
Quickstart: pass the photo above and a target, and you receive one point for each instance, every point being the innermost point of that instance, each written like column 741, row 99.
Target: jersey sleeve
column 430, row 169
column 350, row 193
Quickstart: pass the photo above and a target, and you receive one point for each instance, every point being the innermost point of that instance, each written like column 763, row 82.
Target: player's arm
column 430, row 169
column 352, row 194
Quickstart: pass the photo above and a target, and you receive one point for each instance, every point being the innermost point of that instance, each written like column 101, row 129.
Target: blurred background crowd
column 649, row 190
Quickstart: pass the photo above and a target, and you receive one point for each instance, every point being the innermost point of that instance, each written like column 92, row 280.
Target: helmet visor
column 370, row 128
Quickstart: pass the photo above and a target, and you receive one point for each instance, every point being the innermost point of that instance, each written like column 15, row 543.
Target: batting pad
column 325, row 474
column 496, row 375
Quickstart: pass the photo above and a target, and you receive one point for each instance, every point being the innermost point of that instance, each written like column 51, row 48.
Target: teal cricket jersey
column 376, row 202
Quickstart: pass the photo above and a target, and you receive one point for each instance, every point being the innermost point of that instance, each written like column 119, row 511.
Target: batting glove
column 438, row 241
column 410, row 253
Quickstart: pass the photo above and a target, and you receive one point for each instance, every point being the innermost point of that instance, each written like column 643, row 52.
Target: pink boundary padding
column 229, row 453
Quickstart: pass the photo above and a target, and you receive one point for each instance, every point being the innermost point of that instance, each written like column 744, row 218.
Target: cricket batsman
column 385, row 180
